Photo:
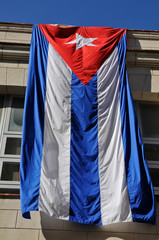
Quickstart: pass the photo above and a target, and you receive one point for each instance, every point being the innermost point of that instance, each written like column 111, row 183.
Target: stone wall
column 41, row 226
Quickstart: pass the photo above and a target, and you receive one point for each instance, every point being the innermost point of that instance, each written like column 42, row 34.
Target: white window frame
column 4, row 124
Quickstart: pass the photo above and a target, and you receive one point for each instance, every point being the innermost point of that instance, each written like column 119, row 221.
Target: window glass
column 152, row 152
column 10, row 171
column 154, row 172
column 149, row 120
column 16, row 116
column 13, row 146
column 7, row 191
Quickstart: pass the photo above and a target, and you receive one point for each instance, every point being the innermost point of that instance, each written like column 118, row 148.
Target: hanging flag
column 82, row 156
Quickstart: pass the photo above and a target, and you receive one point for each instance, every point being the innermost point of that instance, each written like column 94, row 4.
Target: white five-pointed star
column 81, row 41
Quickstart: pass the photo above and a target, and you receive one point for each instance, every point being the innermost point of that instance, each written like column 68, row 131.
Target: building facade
column 143, row 71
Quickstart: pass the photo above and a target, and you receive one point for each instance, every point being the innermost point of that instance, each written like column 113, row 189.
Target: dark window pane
column 13, row 146
column 8, row 191
column 150, row 120
column 154, row 172
column 16, row 117
column 10, row 171
column 152, row 152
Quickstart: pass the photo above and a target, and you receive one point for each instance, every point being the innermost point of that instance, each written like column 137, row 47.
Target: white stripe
column 115, row 205
column 54, row 196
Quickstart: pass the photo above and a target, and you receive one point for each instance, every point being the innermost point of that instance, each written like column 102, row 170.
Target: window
column 148, row 117
column 11, row 118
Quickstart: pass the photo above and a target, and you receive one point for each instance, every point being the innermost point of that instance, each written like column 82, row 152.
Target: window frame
column 4, row 134
column 148, row 140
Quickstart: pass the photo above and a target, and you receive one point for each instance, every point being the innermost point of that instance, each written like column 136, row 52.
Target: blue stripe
column 84, row 180
column 139, row 183
column 33, row 125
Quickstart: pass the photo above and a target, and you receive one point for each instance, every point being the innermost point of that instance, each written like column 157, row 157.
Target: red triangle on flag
column 84, row 49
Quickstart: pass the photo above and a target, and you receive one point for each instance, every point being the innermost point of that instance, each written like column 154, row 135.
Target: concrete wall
column 143, row 71
column 41, row 226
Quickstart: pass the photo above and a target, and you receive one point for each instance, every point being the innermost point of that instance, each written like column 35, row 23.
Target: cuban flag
column 82, row 156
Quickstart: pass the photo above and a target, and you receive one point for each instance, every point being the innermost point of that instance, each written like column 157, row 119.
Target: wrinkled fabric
column 82, row 155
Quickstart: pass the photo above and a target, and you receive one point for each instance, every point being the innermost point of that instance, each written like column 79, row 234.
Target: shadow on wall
column 139, row 79
column 138, row 65
column 65, row 230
